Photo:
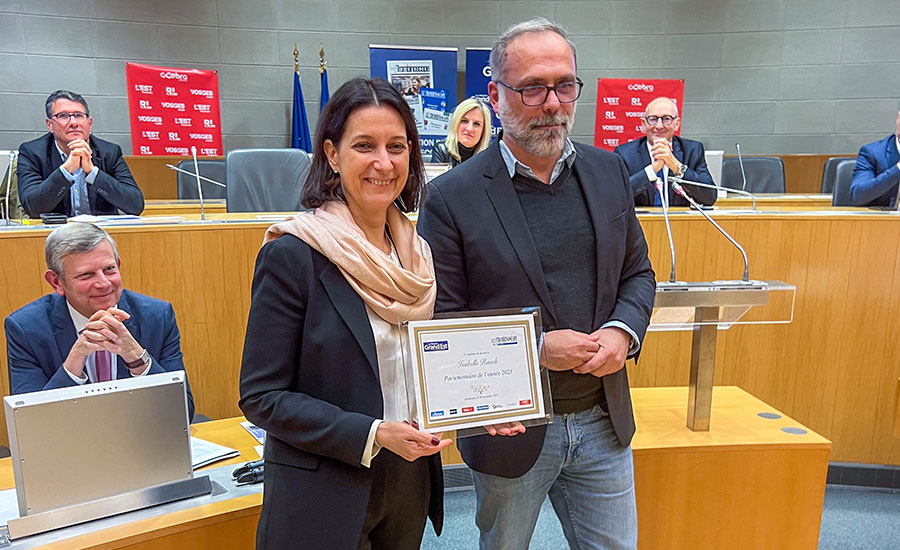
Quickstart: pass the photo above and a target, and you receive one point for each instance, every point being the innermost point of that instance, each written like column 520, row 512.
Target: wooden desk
column 155, row 179
column 834, row 368
column 182, row 207
column 226, row 525
column 778, row 202
column 744, row 485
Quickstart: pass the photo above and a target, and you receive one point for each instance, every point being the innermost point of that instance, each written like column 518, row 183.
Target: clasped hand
column 80, row 156
column 662, row 155
column 599, row 353
column 105, row 330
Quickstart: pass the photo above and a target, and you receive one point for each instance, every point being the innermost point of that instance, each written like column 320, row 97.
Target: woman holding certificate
column 322, row 368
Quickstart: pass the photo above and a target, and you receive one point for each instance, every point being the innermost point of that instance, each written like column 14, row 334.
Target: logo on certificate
column 510, row 340
column 483, row 407
column 435, row 414
column 468, row 409
column 524, row 401
column 439, row 345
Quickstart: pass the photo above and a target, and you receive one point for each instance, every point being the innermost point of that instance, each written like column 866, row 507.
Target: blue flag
column 299, row 123
column 323, row 97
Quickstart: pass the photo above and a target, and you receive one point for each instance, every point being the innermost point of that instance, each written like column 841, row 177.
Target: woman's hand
column 506, row 429
column 408, row 442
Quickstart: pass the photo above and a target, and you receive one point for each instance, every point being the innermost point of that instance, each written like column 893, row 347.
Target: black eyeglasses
column 64, row 117
column 666, row 120
column 532, row 96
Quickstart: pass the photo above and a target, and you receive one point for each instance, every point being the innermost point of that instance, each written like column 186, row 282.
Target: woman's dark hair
column 322, row 184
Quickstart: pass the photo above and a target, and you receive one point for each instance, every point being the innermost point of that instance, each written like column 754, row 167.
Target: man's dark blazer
column 43, row 189
column 485, row 258
column 40, row 335
column 689, row 152
column 309, row 377
column 876, row 176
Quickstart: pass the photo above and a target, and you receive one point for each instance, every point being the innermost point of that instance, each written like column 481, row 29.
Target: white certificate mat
column 474, row 371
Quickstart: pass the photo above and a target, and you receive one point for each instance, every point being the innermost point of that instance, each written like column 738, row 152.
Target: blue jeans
column 589, row 477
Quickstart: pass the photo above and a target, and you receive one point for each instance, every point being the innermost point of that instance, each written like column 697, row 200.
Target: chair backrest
column 212, row 169
column 843, row 175
column 764, row 174
column 265, row 180
column 828, row 173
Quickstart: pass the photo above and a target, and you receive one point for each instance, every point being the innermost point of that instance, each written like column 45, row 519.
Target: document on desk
column 475, row 371
column 206, row 452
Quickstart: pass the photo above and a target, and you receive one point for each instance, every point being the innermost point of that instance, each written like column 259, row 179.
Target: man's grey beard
column 532, row 135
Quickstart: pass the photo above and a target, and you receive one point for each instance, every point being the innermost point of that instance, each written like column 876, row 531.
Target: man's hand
column 114, row 319
column 408, row 442
column 566, row 349
column 81, row 149
column 614, row 344
column 662, row 154
column 98, row 334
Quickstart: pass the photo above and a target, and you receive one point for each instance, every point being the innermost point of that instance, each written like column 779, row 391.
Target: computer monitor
column 83, row 443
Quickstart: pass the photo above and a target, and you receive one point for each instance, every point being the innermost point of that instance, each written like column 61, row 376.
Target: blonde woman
column 470, row 133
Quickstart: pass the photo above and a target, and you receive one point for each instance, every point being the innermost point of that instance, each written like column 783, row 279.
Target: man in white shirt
column 659, row 154
column 90, row 329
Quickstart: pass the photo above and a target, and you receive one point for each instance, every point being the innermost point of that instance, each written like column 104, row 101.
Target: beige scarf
column 395, row 293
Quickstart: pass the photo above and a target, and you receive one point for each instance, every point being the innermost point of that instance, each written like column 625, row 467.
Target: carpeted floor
column 852, row 519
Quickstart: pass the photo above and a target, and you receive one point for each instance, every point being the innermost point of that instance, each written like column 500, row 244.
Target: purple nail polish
column 435, row 441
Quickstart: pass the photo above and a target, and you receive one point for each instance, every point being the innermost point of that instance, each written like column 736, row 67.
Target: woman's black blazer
column 309, row 377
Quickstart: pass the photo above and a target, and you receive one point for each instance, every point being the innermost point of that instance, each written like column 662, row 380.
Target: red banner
column 621, row 103
column 172, row 109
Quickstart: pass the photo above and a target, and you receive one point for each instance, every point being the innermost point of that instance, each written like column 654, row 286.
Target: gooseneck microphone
column 199, row 187
column 665, row 208
column 203, row 178
column 741, row 164
column 682, row 181
column 12, row 158
column 680, row 190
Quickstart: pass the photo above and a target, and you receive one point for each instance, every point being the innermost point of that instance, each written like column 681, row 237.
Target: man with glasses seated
column 660, row 154
column 71, row 172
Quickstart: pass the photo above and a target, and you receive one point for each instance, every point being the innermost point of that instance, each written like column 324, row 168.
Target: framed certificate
column 474, row 370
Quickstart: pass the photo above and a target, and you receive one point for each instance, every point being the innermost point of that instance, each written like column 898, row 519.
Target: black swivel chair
column 212, row 169
column 764, row 174
column 843, row 175
column 265, row 180
column 828, row 172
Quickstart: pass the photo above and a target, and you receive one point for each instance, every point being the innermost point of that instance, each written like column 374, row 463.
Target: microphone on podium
column 199, row 187
column 664, row 201
column 6, row 217
column 680, row 190
column 741, row 164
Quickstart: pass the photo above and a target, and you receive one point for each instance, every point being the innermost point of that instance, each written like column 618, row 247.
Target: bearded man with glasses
column 71, row 172
column 538, row 220
column 660, row 154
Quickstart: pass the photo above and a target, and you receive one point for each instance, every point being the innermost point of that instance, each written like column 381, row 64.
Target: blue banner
column 412, row 71
column 478, row 74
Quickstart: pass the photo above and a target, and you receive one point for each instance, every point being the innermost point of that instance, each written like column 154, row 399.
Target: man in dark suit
column 877, row 172
column 90, row 329
column 537, row 220
column 660, row 153
column 71, row 172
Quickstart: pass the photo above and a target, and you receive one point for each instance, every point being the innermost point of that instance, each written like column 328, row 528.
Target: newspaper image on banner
column 409, row 77
column 475, row 371
column 434, row 110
